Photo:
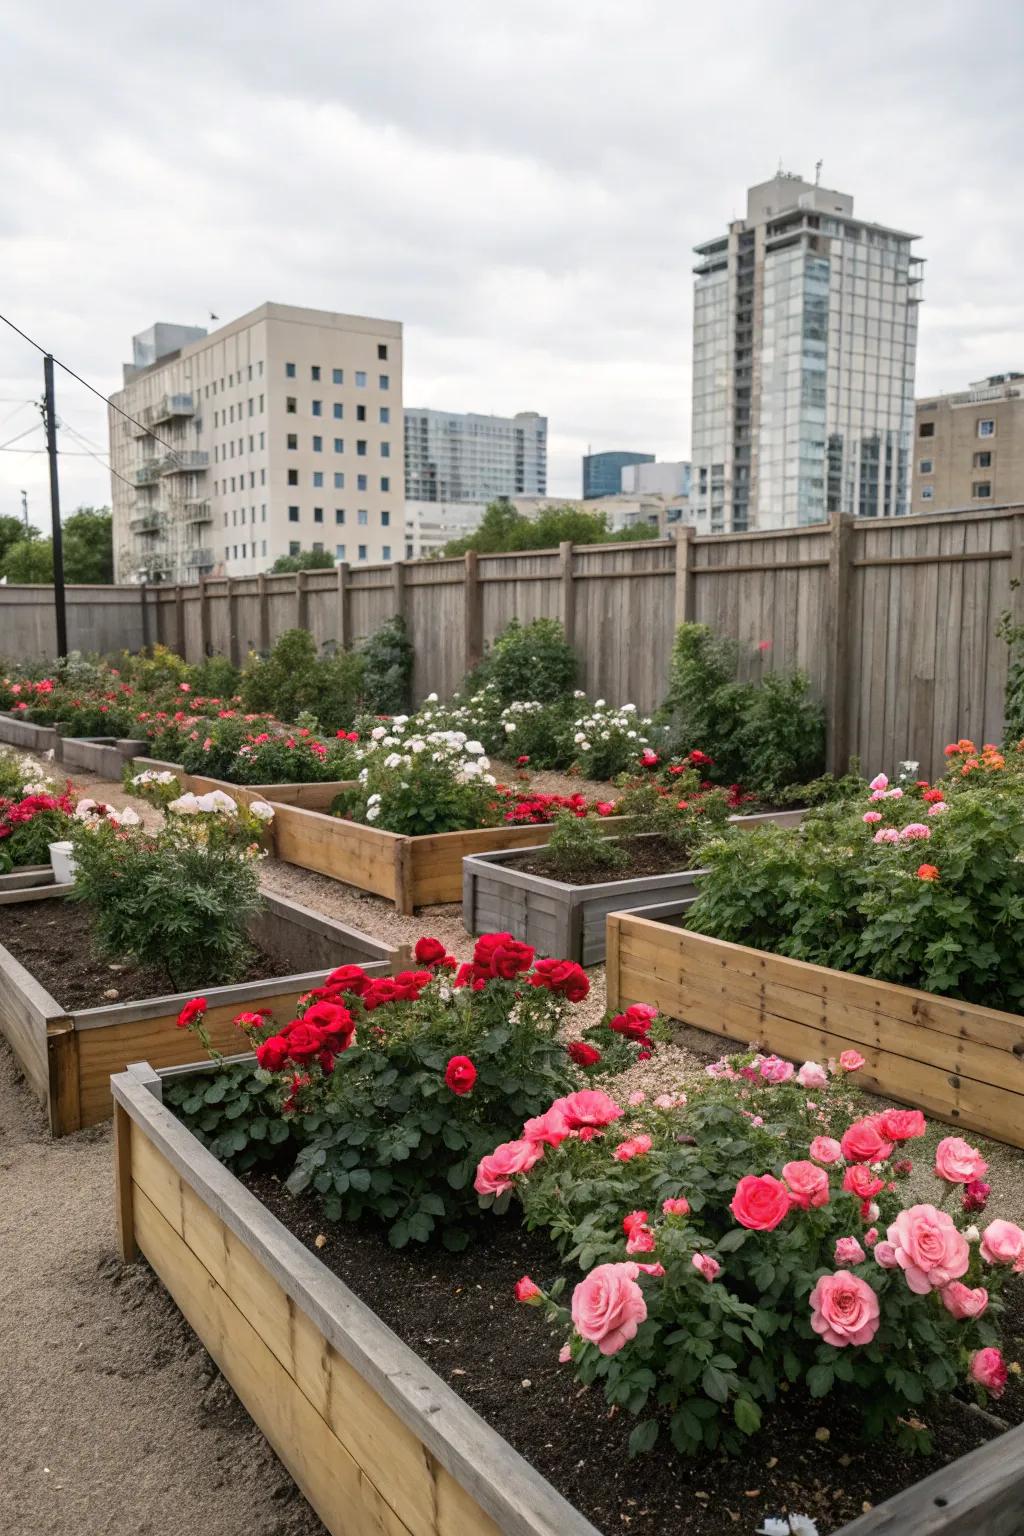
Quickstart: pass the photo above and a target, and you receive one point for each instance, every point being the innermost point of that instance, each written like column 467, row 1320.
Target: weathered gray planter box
column 104, row 756
column 376, row 1441
column 567, row 921
column 28, row 877
column 22, row 733
column 68, row 1056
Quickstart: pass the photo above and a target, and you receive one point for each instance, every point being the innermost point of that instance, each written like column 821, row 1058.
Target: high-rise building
column 969, row 447
column 666, row 477
column 467, row 457
column 804, row 340
column 276, row 434
column 602, row 472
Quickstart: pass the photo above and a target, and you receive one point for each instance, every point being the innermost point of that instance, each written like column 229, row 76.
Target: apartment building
column 969, row 447
column 602, row 472
column 451, row 457
column 804, row 344
column 278, row 433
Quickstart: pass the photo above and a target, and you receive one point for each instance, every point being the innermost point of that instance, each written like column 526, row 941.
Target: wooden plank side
column 26, row 1009
column 344, row 850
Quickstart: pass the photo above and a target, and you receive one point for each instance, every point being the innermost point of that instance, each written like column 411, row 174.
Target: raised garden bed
column 67, row 1054
column 312, row 797
column 960, row 1061
column 15, row 732
column 30, row 877
column 380, row 1443
column 105, row 756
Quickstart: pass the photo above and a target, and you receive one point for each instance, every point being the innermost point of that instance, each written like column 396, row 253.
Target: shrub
column 608, row 741
column 921, row 886
column 578, row 849
column 420, row 784
column 293, row 680
column 215, row 678
column 293, row 759
column 531, row 661
column 29, row 823
column 387, row 668
column 734, row 1251
column 535, row 735
column 397, row 1086
column 156, row 669
column 178, row 899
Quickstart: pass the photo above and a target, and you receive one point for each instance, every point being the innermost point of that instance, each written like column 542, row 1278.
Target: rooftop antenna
column 817, row 172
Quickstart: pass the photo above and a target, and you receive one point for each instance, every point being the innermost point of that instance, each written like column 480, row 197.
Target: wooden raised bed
column 961, row 1062
column 67, row 1056
column 15, row 732
column 377, row 1442
column 105, row 756
column 27, row 877
column 312, row 797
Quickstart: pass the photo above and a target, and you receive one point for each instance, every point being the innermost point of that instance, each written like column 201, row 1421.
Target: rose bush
column 729, row 1255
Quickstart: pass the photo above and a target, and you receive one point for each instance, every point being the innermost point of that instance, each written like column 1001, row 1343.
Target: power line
column 96, row 455
column 91, row 387
column 33, row 428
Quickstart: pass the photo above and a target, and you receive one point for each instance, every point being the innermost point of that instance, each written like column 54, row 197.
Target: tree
column 12, row 531
column 89, row 546
column 502, row 529
column 29, row 561
column 307, row 560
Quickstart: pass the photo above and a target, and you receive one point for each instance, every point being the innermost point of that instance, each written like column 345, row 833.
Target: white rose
column 474, row 747
column 215, row 801
column 185, row 805
column 128, row 817
column 431, row 698
column 585, row 746
column 599, row 703
column 417, row 744
column 377, row 732
column 393, row 760
column 509, row 728
column 373, row 800
column 483, row 762
column 261, row 810
column 578, row 738
column 489, row 778
column 631, row 735
column 373, row 812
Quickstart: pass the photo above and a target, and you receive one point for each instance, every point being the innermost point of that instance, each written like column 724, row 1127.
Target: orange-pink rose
column 863, row 1142
column 1002, row 1242
column 957, row 1162
column 494, row 1172
column 608, row 1306
column 825, row 1149
column 988, row 1369
column 844, row 1309
column 959, row 1300
column 808, row 1185
column 901, row 1124
column 851, row 1061
column 929, row 1249
column 760, row 1203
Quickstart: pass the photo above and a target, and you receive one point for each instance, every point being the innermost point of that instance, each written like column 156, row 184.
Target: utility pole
column 50, row 418
column 24, row 509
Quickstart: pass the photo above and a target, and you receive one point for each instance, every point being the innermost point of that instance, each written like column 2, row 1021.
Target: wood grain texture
column 981, row 1494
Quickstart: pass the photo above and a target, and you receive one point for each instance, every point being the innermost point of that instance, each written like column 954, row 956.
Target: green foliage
column 764, row 735
column 215, row 678
column 577, row 850
column 12, row 531
column 503, row 529
column 306, row 560
column 1013, row 699
column 293, row 680
column 387, row 669
column 527, row 661
column 156, row 669
column 178, row 899
column 608, row 741
column 88, row 544
column 543, row 733
column 29, row 562
column 421, row 784
column 236, row 1112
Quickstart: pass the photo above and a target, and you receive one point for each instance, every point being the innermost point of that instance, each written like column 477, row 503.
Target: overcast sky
column 520, row 184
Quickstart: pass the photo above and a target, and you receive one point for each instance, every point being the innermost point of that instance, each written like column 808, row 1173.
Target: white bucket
column 62, row 862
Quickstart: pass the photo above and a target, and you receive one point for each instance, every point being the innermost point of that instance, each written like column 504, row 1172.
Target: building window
column 263, row 516
column 382, row 351
column 385, row 552
column 927, row 492
column 360, row 413
column 338, row 375
column 339, row 411
column 339, row 515
column 261, row 405
column 926, row 429
column 264, row 544
column 981, row 490
column 385, row 482
column 293, row 477
column 362, row 517
column 360, row 380
column 362, row 551
column 362, row 483
column 263, row 477
column 385, row 519
column 318, row 407
column 384, row 381
column 318, row 445
column 318, row 479
column 983, row 460
column 986, row 427
column 293, row 440
column 361, row 447
column 318, row 514
column 294, row 547
column 339, row 445
column 289, row 370
column 314, row 373
column 339, row 551
column 925, row 466
column 385, row 415
column 252, row 407
column 385, row 450
column 293, row 514
column 339, row 480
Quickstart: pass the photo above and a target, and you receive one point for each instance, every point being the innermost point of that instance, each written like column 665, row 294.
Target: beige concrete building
column 969, row 447
column 430, row 525
column 280, row 432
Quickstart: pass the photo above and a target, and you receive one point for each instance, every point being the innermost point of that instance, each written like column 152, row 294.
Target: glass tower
column 452, row 457
column 805, row 335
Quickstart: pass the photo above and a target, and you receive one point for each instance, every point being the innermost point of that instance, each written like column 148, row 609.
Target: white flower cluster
column 451, row 751
column 94, row 812
column 151, row 776
column 216, row 802
column 33, row 782
column 512, row 715
column 603, row 722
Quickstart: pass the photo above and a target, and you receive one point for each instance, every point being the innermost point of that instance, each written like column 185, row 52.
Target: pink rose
column 915, row 831
column 885, row 1254
column 988, row 1369
column 929, row 1249
column 812, row 1075
column 860, row 1181
column 641, row 1240
column 707, row 1267
column 633, row 1146
column 886, row 835
column 633, row 1220
column 760, row 1203
column 657, row 1270
column 894, row 794
column 880, row 781
column 901, row 1124
column 808, row 1184
column 551, row 1127
column 564, row 1355
column 1003, row 1243
column 495, row 1171
column 957, row 1162
column 851, row 1061
column 862, row 1141
column 636, row 1098
column 666, row 1101
column 526, row 1291
column 960, row 1301
column 849, row 1251
column 608, row 1306
column 844, row 1310
column 871, row 1237
column 774, row 1070
column 587, row 1107
column 871, row 816
column 678, row 1205
column 825, row 1149
column 938, row 809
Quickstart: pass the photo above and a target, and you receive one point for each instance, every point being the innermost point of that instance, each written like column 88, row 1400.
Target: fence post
column 301, row 600
column 344, row 616
column 1017, row 568
column 686, row 606
column 233, row 646
column 398, row 580
column 474, row 626
column 204, row 620
column 144, row 615
column 568, row 591
column 837, row 750
column 179, row 620
column 263, row 614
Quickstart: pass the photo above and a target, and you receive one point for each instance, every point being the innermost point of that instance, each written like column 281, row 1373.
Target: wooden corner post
column 204, row 620
column 568, row 590
column 263, row 616
column 474, row 625
column 837, row 703
column 686, row 607
column 344, row 612
column 301, row 599
column 126, row 1245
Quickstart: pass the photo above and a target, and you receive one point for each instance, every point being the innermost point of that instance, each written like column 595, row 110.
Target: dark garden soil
column 644, row 856
column 54, row 940
column 457, row 1312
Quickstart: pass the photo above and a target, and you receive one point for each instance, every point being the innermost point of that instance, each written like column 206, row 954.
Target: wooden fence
column 895, row 621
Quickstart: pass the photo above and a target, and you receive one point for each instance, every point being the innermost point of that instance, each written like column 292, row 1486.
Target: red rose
column 336, row 1024
column 760, row 1203
column 901, row 1124
column 272, row 1054
column 563, row 976
column 304, row 1041
column 429, row 951
column 485, row 946
column 509, row 960
column 460, row 1075
column 582, row 1054
column 862, row 1142
column 191, row 1012
column 862, row 1182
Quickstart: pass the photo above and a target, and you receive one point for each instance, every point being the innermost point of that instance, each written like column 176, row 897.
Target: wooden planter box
column 68, row 1056
column 15, row 732
column 27, row 877
column 378, row 1443
column 410, row 871
column 567, row 921
column 312, row 797
column 105, row 756
column 959, row 1061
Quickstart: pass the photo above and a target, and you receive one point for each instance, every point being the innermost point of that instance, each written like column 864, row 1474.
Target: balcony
column 169, row 408
column 199, row 559
column 154, row 565
column 148, row 473
column 153, row 520
column 184, row 461
column 198, row 512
